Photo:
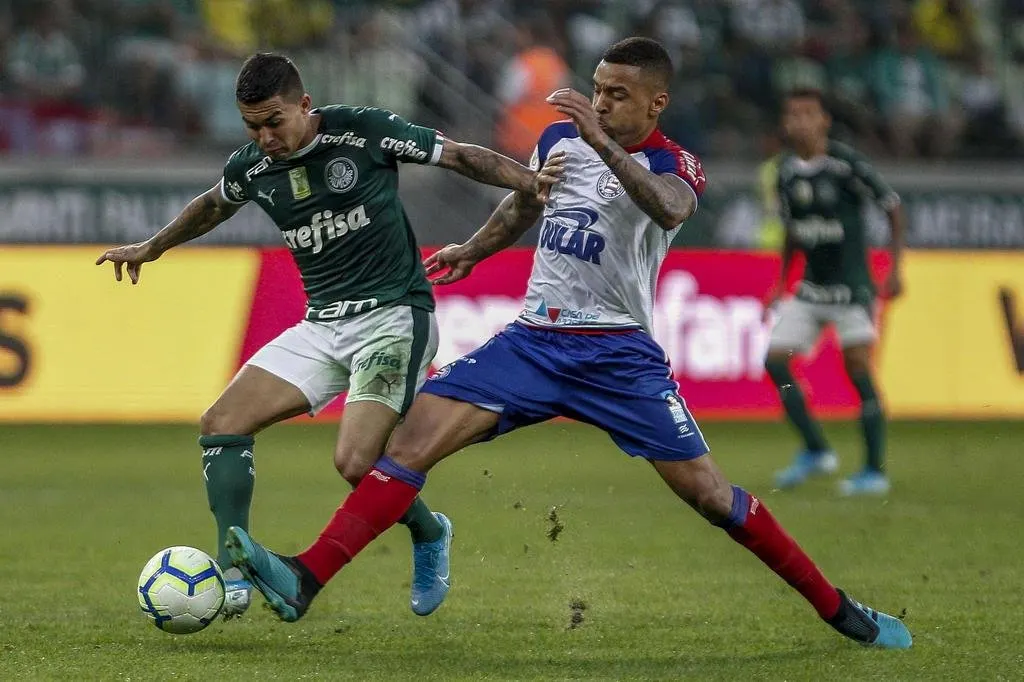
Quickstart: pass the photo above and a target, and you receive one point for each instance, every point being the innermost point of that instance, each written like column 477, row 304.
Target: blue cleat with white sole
column 869, row 627
column 867, row 482
column 807, row 463
column 431, row 578
column 284, row 582
column 237, row 594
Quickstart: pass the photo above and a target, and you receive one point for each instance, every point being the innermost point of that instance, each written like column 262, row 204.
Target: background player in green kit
column 822, row 186
column 328, row 177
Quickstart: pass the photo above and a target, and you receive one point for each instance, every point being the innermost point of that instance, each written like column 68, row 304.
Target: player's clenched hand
column 576, row 106
column 132, row 255
column 548, row 176
column 455, row 258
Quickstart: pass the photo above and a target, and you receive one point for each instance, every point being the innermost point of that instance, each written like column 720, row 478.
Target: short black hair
column 807, row 93
column 264, row 75
column 645, row 53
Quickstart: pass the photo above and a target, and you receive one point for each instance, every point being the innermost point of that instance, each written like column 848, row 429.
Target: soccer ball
column 181, row 589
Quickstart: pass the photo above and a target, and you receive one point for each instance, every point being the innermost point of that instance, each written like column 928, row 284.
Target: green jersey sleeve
column 404, row 141
column 234, row 186
column 871, row 184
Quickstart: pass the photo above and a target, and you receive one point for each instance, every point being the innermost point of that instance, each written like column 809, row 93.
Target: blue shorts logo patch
column 677, row 409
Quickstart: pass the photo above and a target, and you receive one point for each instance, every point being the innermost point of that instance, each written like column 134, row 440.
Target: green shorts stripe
column 420, row 338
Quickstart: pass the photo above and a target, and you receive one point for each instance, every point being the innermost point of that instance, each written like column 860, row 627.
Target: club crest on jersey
column 609, row 186
column 802, row 192
column 341, row 175
column 566, row 231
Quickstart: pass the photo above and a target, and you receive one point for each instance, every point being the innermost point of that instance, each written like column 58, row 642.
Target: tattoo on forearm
column 492, row 168
column 511, row 219
column 655, row 197
column 201, row 215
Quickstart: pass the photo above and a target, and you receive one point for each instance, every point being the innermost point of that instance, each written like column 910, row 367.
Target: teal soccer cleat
column 807, row 463
column 432, row 570
column 285, row 583
column 869, row 627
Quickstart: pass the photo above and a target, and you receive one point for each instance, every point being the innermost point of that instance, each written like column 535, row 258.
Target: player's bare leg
column 434, row 428
column 254, row 399
column 362, row 437
column 816, row 457
column 871, row 480
column 700, row 483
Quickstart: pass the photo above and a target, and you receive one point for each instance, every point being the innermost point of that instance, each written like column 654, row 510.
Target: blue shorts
column 619, row 382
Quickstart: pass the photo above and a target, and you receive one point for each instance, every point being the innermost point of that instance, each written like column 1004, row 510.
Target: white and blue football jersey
column 597, row 262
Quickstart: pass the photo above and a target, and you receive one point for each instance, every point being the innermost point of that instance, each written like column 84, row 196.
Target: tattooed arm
column 489, row 167
column 666, row 198
column 202, row 214
column 514, row 216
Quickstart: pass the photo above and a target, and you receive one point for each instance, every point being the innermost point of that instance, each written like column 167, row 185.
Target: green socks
column 796, row 407
column 229, row 474
column 872, row 421
column 421, row 522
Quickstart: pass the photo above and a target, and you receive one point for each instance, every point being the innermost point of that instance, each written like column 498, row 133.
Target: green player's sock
column 421, row 522
column 229, row 472
column 872, row 421
column 796, row 407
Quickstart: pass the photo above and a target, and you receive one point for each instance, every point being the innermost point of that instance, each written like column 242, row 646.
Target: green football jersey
column 336, row 203
column 821, row 201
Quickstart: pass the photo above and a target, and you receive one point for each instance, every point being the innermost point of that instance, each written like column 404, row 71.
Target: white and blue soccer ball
column 181, row 589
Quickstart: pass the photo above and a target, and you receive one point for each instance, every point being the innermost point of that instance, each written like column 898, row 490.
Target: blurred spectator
column 912, row 96
column 379, row 69
column 851, row 98
column 984, row 112
column 533, row 73
column 463, row 44
column 767, row 31
column 691, row 32
column 949, row 28
column 42, row 63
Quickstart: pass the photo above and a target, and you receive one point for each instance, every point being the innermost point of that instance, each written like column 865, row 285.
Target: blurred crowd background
column 906, row 78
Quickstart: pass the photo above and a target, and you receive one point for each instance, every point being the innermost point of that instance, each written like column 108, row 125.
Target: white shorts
column 800, row 323
column 382, row 355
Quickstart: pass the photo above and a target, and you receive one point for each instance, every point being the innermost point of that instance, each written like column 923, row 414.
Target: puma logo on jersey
column 324, row 227
column 565, row 231
column 260, row 194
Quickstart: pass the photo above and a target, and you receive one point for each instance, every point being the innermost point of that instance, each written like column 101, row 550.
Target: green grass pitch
column 659, row 594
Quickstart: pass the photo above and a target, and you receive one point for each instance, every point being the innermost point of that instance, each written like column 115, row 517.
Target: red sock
column 374, row 506
column 762, row 535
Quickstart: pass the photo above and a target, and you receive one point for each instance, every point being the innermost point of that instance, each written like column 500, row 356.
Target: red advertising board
column 708, row 317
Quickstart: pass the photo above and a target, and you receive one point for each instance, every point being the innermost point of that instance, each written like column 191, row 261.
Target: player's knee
column 216, row 421
column 351, row 466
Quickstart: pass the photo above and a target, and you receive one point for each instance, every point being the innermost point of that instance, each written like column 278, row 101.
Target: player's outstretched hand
column 132, row 255
column 455, row 258
column 577, row 106
column 548, row 176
